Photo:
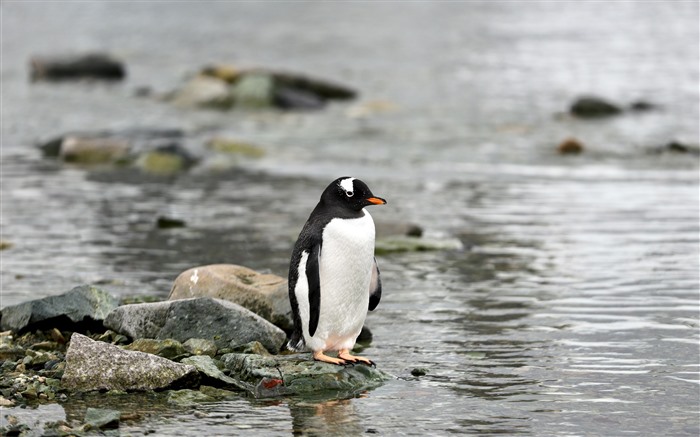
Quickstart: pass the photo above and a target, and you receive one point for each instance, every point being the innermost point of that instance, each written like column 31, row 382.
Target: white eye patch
column 348, row 186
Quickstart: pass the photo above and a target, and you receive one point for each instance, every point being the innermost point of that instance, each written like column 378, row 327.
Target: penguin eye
column 349, row 193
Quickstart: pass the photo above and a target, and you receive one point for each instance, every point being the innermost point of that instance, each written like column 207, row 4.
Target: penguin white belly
column 345, row 272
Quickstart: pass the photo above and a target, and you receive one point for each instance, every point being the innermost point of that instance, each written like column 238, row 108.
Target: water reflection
column 324, row 418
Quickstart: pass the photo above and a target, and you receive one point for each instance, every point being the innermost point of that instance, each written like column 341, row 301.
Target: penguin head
column 350, row 193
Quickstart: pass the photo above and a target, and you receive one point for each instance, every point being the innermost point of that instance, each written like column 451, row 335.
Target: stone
column 86, row 150
column 234, row 147
column 419, row 371
column 322, row 88
column 392, row 229
column 200, row 346
column 570, row 146
column 165, row 159
column 299, row 374
column 266, row 295
column 253, row 90
column 642, row 106
column 83, row 307
column 163, row 222
column 102, row 418
column 414, row 244
column 4, row 245
column 94, row 365
column 69, row 67
column 211, row 374
column 227, row 73
column 203, row 92
column 289, row 98
column 187, row 397
column 593, row 107
column 223, row 322
column 168, row 348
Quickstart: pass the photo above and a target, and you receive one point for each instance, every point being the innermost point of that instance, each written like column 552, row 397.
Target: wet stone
column 102, row 418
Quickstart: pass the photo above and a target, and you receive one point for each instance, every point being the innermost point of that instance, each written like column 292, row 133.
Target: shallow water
column 573, row 309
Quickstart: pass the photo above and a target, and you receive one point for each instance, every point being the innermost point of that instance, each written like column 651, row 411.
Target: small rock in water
column 86, row 150
column 226, row 145
column 92, row 66
column 5, row 245
column 570, row 146
column 593, row 107
column 203, row 92
column 163, row 222
column 419, row 371
column 642, row 106
column 211, row 373
column 188, row 398
column 102, row 418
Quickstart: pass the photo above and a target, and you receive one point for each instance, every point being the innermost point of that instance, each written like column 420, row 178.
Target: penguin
column 333, row 275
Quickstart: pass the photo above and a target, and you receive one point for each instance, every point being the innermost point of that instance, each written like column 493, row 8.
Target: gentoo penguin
column 333, row 275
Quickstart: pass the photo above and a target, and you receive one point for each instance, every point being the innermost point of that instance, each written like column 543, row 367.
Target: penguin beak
column 376, row 201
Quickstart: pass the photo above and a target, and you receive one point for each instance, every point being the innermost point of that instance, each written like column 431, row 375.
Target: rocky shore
column 208, row 342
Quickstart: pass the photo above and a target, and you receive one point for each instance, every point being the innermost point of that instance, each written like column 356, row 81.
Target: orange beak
column 376, row 200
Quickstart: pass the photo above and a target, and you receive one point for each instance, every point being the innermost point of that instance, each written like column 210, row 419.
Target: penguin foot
column 345, row 355
column 320, row 356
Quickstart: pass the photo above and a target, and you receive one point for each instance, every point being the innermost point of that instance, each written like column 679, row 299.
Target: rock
column 299, row 374
column 225, row 145
column 200, row 346
column 164, row 222
column 203, row 92
column 254, row 90
column 227, row 73
column 642, row 106
column 592, row 107
column 413, row 244
column 392, row 229
column 84, row 150
column 168, row 348
column 324, row 89
column 166, row 159
column 419, row 371
column 5, row 245
column 266, row 295
column 186, row 397
column 570, row 146
column 225, row 323
column 679, row 147
column 102, row 418
column 254, row 347
column 6, row 402
column 289, row 98
column 211, row 374
column 83, row 307
column 92, row 65
column 94, row 365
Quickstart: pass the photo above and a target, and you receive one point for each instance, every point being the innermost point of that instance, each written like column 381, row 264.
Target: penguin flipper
column 314, row 281
column 375, row 287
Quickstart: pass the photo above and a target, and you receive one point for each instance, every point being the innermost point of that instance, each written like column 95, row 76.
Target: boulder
column 95, row 365
column 91, row 65
column 593, row 107
column 266, row 295
column 83, row 307
column 272, row 376
column 225, row 323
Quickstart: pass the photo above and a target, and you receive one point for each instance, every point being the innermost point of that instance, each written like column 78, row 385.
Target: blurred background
column 546, row 152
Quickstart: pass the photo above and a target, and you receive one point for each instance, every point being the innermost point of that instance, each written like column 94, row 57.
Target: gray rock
column 94, row 365
column 298, row 374
column 593, row 107
column 86, row 150
column 102, row 418
column 225, row 323
column 212, row 375
column 91, row 65
column 264, row 294
column 82, row 307
column 187, row 398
